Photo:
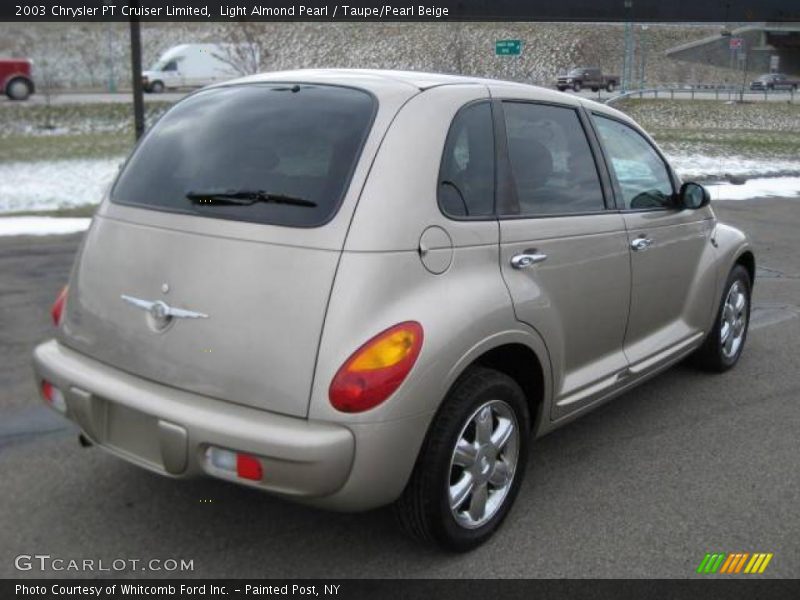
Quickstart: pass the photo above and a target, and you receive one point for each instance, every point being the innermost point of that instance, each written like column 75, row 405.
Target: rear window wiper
column 244, row 198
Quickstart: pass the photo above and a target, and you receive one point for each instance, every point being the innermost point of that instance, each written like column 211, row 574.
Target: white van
column 190, row 65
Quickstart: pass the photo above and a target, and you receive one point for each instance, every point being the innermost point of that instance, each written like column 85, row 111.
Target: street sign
column 508, row 47
column 735, row 43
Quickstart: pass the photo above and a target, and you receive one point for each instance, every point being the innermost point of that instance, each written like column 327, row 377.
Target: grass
column 31, row 132
column 773, row 144
column 60, row 147
column 85, row 210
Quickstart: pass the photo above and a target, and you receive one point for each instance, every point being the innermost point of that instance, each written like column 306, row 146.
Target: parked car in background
column 774, row 81
column 355, row 288
column 190, row 65
column 587, row 77
column 16, row 80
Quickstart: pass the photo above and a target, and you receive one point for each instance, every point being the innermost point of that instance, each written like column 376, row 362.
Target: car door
column 563, row 253
column 173, row 77
column 672, row 292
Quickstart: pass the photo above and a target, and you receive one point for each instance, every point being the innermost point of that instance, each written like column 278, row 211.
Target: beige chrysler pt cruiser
column 355, row 288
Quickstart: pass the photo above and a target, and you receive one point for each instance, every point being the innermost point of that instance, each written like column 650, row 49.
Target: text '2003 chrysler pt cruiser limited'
column 353, row 288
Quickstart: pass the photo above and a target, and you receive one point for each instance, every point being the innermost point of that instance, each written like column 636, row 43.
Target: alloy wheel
column 734, row 320
column 483, row 464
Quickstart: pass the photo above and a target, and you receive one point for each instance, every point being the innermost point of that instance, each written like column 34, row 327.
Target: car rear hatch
column 210, row 267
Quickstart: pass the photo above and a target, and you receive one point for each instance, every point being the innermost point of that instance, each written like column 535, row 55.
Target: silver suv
column 356, row 288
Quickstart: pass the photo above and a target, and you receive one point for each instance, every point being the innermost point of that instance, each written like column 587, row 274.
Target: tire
column 18, row 89
column 595, row 89
column 561, row 88
column 424, row 509
column 157, row 87
column 576, row 86
column 610, row 86
column 732, row 317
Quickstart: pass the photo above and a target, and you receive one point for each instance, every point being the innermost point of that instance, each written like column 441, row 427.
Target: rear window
column 280, row 154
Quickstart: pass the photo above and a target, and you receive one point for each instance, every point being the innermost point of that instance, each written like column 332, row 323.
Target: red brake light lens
column 248, row 467
column 57, row 310
column 376, row 370
column 47, row 391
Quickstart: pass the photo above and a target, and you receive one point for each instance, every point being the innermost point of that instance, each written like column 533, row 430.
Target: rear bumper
column 168, row 430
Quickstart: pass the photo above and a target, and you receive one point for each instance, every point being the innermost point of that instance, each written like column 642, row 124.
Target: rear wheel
column 725, row 342
column 470, row 467
column 18, row 89
column 610, row 86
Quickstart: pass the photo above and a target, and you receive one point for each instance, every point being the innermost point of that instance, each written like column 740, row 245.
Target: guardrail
column 718, row 93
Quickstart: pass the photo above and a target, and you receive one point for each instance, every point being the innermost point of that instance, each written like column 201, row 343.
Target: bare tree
column 51, row 66
column 245, row 46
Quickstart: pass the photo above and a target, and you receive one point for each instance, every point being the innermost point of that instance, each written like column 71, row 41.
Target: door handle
column 527, row 259
column 641, row 243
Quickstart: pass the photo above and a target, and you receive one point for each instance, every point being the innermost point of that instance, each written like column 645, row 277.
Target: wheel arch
column 748, row 260
column 524, row 357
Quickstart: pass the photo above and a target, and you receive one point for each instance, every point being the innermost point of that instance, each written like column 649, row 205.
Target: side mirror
column 693, row 196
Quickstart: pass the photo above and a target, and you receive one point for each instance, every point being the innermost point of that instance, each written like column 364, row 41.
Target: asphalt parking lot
column 643, row 487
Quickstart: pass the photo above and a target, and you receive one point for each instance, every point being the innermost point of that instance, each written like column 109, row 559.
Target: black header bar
column 730, row 11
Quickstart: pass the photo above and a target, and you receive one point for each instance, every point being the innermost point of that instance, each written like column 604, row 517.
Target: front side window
column 641, row 175
column 552, row 165
column 466, row 176
column 171, row 66
column 280, row 154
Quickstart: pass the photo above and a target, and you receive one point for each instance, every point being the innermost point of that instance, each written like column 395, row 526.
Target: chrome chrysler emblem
column 161, row 312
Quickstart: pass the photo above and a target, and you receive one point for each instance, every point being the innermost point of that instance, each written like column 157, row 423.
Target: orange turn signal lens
column 376, row 370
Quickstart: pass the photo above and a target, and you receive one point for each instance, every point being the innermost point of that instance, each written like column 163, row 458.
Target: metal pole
column 643, row 52
column 627, row 61
column 136, row 73
column 112, row 84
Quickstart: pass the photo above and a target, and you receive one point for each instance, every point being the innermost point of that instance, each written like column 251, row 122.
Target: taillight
column 57, row 310
column 53, row 396
column 234, row 463
column 377, row 369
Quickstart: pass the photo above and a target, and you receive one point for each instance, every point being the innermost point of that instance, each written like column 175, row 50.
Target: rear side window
column 552, row 164
column 466, row 176
column 279, row 154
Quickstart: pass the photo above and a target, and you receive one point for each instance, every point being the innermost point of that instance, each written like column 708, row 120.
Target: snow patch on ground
column 767, row 187
column 703, row 168
column 49, row 185
column 41, row 225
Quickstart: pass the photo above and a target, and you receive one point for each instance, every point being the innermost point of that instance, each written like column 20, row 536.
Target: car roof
column 383, row 81
column 372, row 79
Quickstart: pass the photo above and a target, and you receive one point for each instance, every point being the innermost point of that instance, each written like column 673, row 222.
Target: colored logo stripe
column 734, row 562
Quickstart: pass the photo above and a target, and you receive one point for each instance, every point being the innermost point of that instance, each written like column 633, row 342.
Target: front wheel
column 470, row 467
column 18, row 89
column 725, row 342
column 156, row 87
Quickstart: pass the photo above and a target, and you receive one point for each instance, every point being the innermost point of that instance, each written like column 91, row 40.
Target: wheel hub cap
column 734, row 320
column 483, row 464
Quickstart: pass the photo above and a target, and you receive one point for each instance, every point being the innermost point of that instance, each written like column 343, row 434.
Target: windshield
column 273, row 141
column 576, row 72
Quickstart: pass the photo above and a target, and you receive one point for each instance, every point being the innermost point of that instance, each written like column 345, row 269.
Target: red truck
column 15, row 78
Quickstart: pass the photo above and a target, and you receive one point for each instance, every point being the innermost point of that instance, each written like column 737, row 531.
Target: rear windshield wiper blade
column 244, row 198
